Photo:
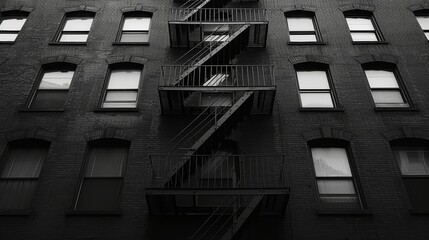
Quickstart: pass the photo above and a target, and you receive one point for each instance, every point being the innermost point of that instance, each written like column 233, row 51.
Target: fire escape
column 202, row 173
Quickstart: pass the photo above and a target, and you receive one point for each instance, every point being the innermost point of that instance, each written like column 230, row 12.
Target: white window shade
column 136, row 24
column 106, row 162
column 56, row 80
column 331, row 162
column 413, row 162
column 12, row 24
column 360, row 24
column 312, row 80
column 24, row 162
column 300, row 24
column 78, row 24
column 423, row 21
column 381, row 79
column 124, row 79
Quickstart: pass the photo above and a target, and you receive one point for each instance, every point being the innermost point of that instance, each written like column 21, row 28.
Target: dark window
column 122, row 86
column 20, row 169
column 423, row 20
column 362, row 26
column 11, row 24
column 103, row 173
column 413, row 161
column 52, row 87
column 76, row 27
column 335, row 178
column 386, row 86
column 135, row 27
column 315, row 86
column 302, row 27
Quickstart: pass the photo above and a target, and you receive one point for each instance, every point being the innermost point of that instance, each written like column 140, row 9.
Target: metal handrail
column 237, row 75
column 200, row 15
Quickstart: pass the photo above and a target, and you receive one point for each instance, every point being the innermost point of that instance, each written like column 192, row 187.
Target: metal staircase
column 196, row 176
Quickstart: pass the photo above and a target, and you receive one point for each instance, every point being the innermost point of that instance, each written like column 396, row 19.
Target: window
column 76, row 27
column 315, row 88
column 334, row 177
column 135, row 27
column 101, row 184
column 122, row 88
column 385, row 88
column 413, row 162
column 10, row 26
column 362, row 26
column 423, row 20
column 19, row 171
column 302, row 27
column 53, row 88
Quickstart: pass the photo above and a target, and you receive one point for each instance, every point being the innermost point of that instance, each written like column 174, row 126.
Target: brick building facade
column 380, row 133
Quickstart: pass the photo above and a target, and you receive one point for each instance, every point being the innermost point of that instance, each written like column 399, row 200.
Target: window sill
column 306, row 43
column 301, row 109
column 344, row 212
column 7, row 42
column 107, row 212
column 116, row 110
column 396, row 109
column 16, row 212
column 40, row 110
column 419, row 211
column 371, row 43
column 68, row 43
column 131, row 43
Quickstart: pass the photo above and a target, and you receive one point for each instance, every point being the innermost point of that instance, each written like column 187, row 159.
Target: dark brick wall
column 279, row 133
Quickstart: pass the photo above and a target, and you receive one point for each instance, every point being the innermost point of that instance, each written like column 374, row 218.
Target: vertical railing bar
column 253, row 75
column 248, row 76
column 263, row 75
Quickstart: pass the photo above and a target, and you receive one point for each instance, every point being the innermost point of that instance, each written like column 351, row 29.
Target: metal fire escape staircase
column 196, row 176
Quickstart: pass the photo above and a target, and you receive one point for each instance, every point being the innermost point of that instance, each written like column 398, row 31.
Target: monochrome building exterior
column 214, row 119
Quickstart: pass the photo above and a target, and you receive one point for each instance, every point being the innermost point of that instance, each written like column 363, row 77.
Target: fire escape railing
column 219, row 76
column 219, row 171
column 218, row 15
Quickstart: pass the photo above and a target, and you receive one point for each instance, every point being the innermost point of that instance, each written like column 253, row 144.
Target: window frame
column 304, row 14
column 101, row 143
column 388, row 67
column 13, row 15
column 366, row 15
column 35, row 89
column 337, row 143
column 23, row 143
column 67, row 16
column 120, row 66
column 313, row 66
column 121, row 26
column 422, row 13
column 406, row 144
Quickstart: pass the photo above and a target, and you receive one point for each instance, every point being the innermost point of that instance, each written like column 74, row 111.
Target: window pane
column 124, row 79
column 49, row 99
column 360, row 24
column 8, row 37
column 12, row 24
column 135, row 37
column 72, row 37
column 211, row 28
column 417, row 189
column 99, row 194
column 423, row 21
column 330, row 162
column 387, row 96
column 24, row 162
column 106, row 162
column 413, row 162
column 427, row 35
column 362, row 37
column 303, row 38
column 337, row 186
column 56, row 80
column 319, row 100
column 136, row 24
column 381, row 79
column 78, row 24
column 16, row 193
column 121, row 96
column 119, row 105
column 300, row 24
column 312, row 80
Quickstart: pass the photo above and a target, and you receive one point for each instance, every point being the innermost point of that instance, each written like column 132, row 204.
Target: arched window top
column 29, row 142
column 15, row 13
column 310, row 59
column 357, row 7
column 109, row 142
column 299, row 12
column 410, row 142
column 378, row 65
column 311, row 65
